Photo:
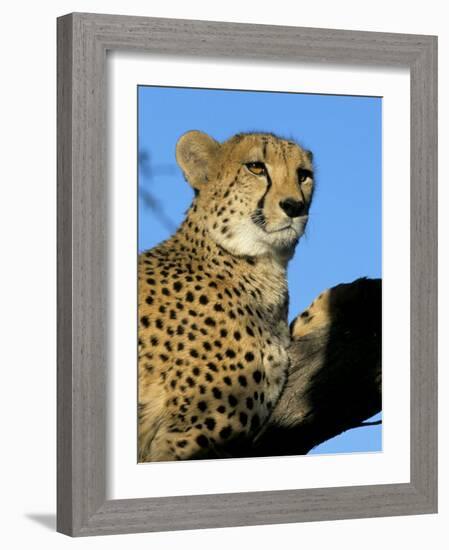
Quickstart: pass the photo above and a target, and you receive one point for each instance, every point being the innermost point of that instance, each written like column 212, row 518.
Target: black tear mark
column 261, row 202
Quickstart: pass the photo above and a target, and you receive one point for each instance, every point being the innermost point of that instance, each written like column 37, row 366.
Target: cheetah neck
column 194, row 239
column 264, row 274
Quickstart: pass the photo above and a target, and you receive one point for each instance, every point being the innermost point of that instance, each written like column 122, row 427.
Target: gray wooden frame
column 83, row 40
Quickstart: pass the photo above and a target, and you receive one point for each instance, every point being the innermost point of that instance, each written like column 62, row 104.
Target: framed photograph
column 247, row 286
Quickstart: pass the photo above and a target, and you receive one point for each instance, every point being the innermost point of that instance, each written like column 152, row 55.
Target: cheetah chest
column 213, row 356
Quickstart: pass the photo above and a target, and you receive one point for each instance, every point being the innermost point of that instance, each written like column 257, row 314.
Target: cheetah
column 213, row 298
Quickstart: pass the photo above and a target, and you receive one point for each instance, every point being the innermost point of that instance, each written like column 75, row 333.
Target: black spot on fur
column 226, row 432
column 242, row 381
column 210, row 423
column 257, row 375
column 243, row 419
column 145, row 321
column 202, row 441
column 232, row 400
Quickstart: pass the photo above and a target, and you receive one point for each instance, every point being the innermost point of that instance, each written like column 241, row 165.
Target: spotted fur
column 213, row 298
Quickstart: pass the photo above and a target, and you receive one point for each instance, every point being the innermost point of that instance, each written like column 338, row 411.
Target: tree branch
column 373, row 423
column 335, row 376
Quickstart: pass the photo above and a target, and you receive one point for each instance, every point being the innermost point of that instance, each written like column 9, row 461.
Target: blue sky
column 343, row 238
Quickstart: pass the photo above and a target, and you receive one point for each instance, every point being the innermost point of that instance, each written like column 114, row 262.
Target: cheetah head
column 253, row 191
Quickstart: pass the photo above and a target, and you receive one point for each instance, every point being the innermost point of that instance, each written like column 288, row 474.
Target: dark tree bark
column 335, row 376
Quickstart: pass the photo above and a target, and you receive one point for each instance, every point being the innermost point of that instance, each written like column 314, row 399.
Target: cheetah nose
column 292, row 207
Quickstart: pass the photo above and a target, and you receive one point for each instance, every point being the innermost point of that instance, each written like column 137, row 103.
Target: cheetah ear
column 197, row 155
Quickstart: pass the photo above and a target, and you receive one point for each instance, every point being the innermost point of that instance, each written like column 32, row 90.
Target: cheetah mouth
column 295, row 227
column 280, row 229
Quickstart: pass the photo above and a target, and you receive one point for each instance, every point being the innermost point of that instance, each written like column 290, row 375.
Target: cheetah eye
column 303, row 174
column 257, row 168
